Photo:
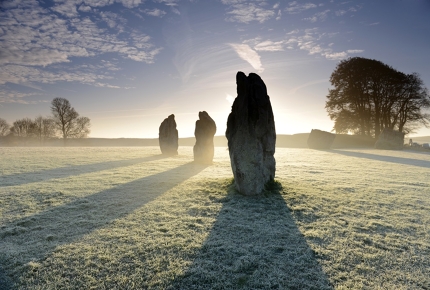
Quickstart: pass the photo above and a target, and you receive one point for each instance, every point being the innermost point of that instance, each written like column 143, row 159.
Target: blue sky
column 128, row 64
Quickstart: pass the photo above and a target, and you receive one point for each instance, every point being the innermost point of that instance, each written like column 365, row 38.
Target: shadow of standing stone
column 205, row 130
column 320, row 139
column 256, row 245
column 251, row 135
column 390, row 139
column 168, row 136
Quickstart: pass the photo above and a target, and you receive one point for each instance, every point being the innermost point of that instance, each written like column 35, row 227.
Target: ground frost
column 129, row 218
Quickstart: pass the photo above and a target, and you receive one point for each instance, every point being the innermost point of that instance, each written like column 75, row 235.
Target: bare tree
column 44, row 128
column 23, row 128
column 67, row 120
column 4, row 127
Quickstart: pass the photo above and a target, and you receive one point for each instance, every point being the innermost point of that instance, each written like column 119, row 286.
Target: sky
column 128, row 64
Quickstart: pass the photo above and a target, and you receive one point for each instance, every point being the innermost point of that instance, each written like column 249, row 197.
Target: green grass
column 127, row 218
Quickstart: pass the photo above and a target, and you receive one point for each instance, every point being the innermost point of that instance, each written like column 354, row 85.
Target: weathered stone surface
column 390, row 139
column 320, row 139
column 251, row 135
column 168, row 136
column 204, row 133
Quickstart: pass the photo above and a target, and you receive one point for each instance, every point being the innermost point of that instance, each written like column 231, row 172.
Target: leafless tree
column 44, row 128
column 4, row 127
column 67, row 120
column 23, row 128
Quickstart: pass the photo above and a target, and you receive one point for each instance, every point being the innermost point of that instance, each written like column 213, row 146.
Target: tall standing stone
column 251, row 135
column 168, row 136
column 204, row 133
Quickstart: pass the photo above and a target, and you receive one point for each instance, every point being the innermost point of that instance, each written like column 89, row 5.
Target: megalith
column 390, row 139
column 168, row 136
column 320, row 139
column 251, row 135
column 205, row 130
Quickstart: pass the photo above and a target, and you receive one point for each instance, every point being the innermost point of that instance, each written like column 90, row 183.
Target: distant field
column 128, row 218
column 282, row 141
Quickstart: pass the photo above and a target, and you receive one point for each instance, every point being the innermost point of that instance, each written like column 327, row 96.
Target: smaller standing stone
column 168, row 136
column 204, row 132
column 390, row 139
column 320, row 139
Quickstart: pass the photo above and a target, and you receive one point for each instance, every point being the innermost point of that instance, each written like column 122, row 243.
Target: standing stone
column 251, row 135
column 390, row 139
column 168, row 136
column 204, row 132
column 320, row 139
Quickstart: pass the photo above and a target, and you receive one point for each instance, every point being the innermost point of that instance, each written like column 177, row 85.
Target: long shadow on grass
column 391, row 159
column 36, row 236
column 254, row 244
column 42, row 175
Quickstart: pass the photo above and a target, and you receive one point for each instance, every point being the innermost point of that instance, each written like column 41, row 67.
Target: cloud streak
column 296, row 8
column 246, row 12
column 312, row 41
column 320, row 16
column 246, row 53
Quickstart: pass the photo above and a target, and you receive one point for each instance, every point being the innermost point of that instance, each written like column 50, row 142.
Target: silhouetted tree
column 369, row 96
column 44, row 128
column 415, row 97
column 4, row 127
column 67, row 120
column 23, row 128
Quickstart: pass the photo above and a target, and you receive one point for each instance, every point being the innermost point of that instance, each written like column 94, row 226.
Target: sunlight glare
column 230, row 99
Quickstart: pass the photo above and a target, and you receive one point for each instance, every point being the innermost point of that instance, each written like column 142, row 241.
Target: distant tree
column 44, row 128
column 23, row 128
column 4, row 127
column 67, row 120
column 408, row 109
column 369, row 96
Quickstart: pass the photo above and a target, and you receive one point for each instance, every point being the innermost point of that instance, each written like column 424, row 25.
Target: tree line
column 65, row 122
column 369, row 96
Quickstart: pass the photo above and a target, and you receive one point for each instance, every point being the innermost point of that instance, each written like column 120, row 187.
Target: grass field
column 128, row 218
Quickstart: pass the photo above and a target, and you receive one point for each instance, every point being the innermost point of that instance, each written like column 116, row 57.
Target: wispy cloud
column 170, row 3
column 131, row 3
column 278, row 17
column 265, row 45
column 66, row 8
column 335, row 55
column 296, row 7
column 246, row 53
column 351, row 51
column 312, row 41
column 26, row 75
column 232, row 2
column 320, row 16
column 113, row 20
column 84, row 8
column 12, row 96
column 352, row 9
column 340, row 12
column 246, row 12
column 33, row 37
column 155, row 12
